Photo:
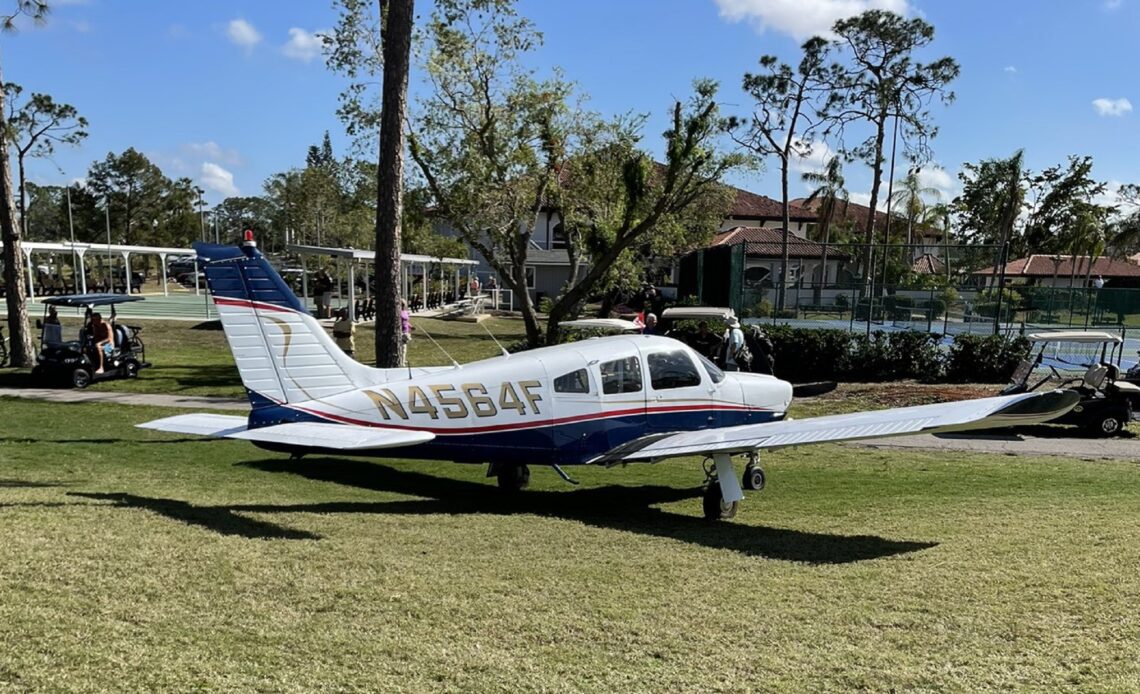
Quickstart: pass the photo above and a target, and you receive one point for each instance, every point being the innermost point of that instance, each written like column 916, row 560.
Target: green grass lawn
column 138, row 561
column 195, row 360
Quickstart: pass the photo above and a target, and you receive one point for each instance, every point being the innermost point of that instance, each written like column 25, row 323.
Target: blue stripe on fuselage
column 572, row 443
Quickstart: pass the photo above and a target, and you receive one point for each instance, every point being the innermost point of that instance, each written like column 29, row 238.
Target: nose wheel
column 753, row 479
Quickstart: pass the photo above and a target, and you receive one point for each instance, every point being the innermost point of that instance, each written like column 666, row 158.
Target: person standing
column 734, row 346
column 405, row 331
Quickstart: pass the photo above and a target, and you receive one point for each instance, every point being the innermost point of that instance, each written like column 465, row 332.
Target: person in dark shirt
column 705, row 341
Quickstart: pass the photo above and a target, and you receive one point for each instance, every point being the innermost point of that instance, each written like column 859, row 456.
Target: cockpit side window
column 573, row 382
column 621, row 376
column 672, row 370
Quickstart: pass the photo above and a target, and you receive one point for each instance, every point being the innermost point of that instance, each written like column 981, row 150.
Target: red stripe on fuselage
column 457, row 431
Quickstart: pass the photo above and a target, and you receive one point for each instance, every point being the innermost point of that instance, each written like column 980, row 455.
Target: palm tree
column 831, row 192
column 911, row 198
column 937, row 217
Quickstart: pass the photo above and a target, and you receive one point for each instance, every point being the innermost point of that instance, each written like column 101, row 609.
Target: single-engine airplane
column 608, row 400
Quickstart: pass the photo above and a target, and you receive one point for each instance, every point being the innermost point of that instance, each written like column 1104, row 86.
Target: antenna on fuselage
column 450, row 358
column 496, row 341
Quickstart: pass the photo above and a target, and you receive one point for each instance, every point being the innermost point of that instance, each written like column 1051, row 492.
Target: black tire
column 1108, row 424
column 715, row 507
column 131, row 368
column 513, row 478
column 753, row 479
column 80, row 378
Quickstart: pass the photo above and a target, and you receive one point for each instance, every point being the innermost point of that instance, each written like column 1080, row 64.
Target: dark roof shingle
column 767, row 243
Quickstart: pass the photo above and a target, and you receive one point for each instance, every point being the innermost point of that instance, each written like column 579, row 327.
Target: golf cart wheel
column 1108, row 425
column 81, row 378
column 131, row 368
column 715, row 507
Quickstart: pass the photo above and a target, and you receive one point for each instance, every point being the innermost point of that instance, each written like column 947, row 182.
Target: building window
column 529, row 272
column 558, row 237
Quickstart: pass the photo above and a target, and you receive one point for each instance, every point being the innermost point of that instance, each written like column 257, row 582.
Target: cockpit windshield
column 713, row 370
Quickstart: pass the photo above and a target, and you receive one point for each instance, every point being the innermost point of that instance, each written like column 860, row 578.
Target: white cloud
column 802, row 18
column 212, row 150
column 939, row 179
column 1112, row 107
column 1111, row 5
column 302, row 45
column 1010, row 69
column 219, row 180
column 242, row 33
column 816, row 159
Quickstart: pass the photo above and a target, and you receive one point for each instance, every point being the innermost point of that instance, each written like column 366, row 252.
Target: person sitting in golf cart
column 103, row 337
column 706, row 342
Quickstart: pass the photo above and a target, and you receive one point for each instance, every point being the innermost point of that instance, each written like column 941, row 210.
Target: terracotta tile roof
column 857, row 214
column 752, row 206
column 1043, row 266
column 929, row 264
column 767, row 243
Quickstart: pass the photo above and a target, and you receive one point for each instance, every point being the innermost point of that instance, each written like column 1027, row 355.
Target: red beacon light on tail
column 248, row 236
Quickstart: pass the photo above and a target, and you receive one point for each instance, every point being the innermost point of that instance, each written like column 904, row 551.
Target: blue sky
column 231, row 92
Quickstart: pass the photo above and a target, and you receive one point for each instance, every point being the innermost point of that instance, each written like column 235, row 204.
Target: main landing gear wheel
column 715, row 507
column 753, row 477
column 513, row 478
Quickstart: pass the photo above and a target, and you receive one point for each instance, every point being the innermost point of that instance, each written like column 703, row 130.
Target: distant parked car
column 179, row 266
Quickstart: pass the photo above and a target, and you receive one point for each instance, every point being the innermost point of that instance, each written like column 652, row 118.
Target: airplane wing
column 986, row 413
column 344, row 437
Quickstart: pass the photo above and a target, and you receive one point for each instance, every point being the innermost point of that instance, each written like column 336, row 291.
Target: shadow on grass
column 1037, row 431
column 619, row 508
column 222, row 520
column 25, row 484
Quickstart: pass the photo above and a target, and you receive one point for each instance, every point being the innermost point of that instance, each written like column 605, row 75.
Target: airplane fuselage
column 562, row 405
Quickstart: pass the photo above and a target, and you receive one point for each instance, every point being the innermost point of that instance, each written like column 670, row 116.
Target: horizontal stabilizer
column 342, row 437
column 965, row 415
column 218, row 425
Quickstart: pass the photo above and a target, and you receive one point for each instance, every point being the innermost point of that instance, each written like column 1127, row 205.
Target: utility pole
column 110, row 263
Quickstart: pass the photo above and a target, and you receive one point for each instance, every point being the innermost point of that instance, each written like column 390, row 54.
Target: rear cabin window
column 621, row 376
column 573, row 382
column 672, row 370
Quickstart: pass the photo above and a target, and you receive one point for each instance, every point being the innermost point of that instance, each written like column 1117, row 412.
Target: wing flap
column 986, row 413
column 218, row 425
column 343, row 437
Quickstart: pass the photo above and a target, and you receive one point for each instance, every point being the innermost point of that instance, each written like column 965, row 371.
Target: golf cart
column 1092, row 360
column 67, row 352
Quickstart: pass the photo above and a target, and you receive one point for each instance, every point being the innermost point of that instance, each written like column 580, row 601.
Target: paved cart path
column 1014, row 444
column 982, row 442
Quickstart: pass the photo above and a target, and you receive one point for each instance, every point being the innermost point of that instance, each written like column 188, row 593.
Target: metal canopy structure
column 352, row 256
column 79, row 250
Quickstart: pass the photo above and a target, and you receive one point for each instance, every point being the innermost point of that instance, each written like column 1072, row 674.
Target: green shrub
column 841, row 301
column 763, row 309
column 984, row 359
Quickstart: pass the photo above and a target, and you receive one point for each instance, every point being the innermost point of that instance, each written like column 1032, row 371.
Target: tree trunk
column 782, row 293
column 876, row 184
column 23, row 201
column 817, row 295
column 397, row 38
column 21, row 349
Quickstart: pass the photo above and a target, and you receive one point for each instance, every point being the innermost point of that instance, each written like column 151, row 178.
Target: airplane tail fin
column 282, row 353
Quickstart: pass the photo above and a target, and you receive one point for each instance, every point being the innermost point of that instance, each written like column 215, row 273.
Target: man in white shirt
column 733, row 346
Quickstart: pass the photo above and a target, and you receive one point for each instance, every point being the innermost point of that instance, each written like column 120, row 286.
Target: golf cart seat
column 1094, row 377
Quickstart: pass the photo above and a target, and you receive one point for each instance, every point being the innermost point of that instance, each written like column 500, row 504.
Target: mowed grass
column 194, row 359
column 138, row 561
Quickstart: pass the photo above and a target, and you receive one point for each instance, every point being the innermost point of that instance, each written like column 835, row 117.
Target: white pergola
column 79, row 250
column 352, row 256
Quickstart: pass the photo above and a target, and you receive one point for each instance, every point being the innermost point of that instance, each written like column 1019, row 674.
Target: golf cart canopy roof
column 608, row 324
column 90, row 299
column 1084, row 336
column 697, row 313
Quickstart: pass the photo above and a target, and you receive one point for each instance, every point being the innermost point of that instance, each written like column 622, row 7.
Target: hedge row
column 804, row 355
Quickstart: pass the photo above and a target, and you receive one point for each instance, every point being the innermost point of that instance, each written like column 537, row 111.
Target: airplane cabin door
column 680, row 396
